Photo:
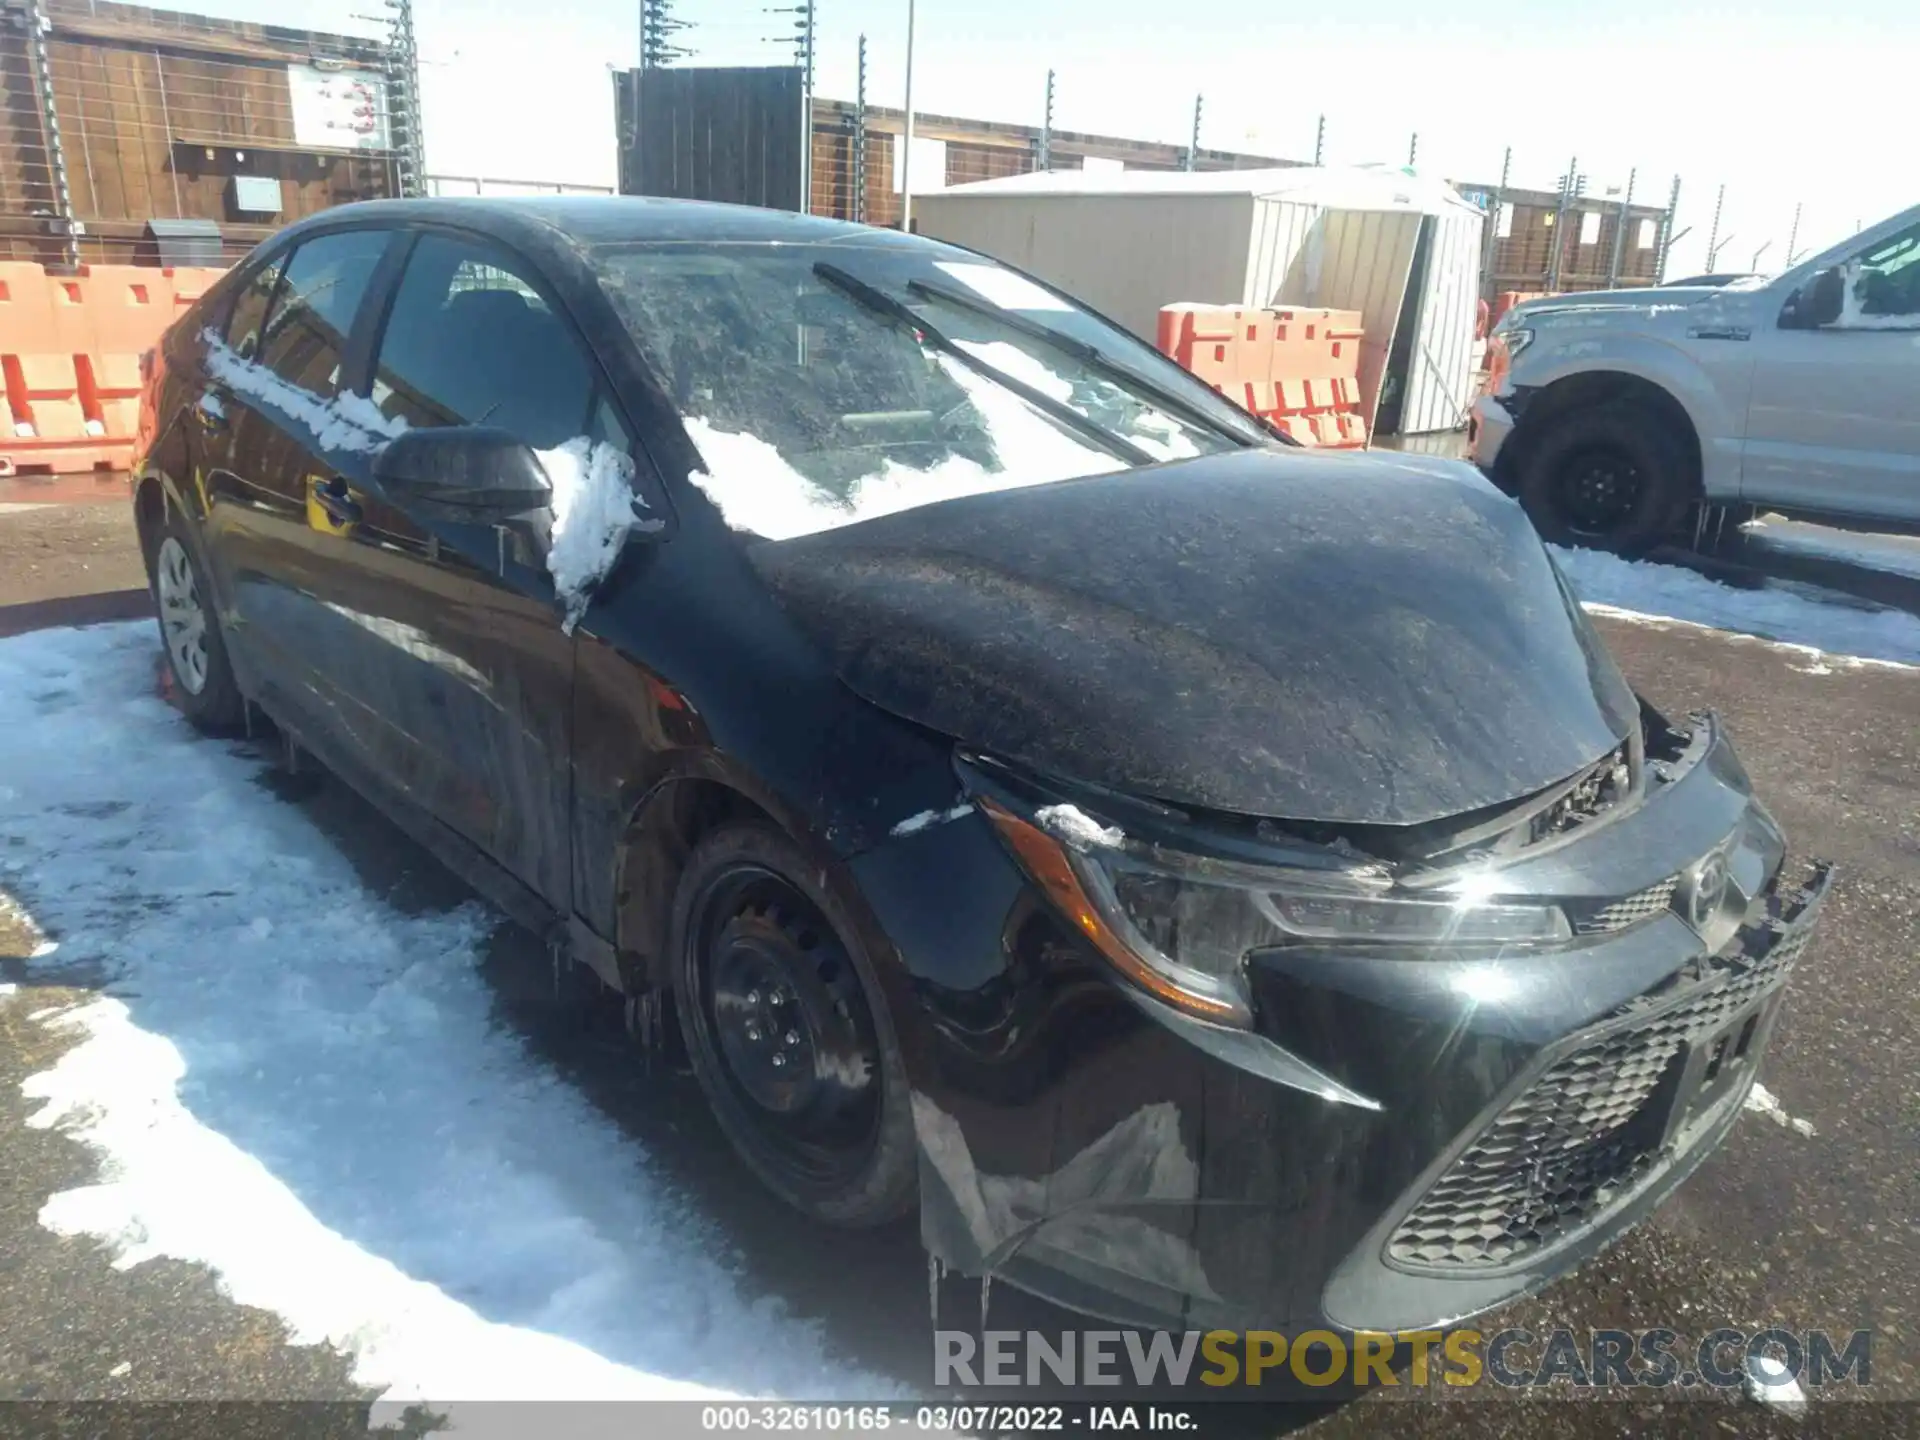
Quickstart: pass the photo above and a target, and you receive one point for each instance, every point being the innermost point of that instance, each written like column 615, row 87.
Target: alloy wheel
column 183, row 619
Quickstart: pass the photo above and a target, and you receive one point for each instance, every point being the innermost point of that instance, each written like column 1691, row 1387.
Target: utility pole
column 1491, row 248
column 1046, row 128
column 1193, row 145
column 1667, row 237
column 658, row 26
column 906, row 148
column 1572, row 185
column 1793, row 256
column 1413, row 149
column 1620, row 232
column 1713, row 234
column 1320, row 141
column 859, row 207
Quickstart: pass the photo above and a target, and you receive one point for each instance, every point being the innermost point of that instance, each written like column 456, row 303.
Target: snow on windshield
column 1160, row 435
column 759, row 491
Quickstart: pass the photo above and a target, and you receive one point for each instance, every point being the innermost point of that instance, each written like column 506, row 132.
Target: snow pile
column 594, row 506
column 927, row 819
column 1641, row 589
column 294, row 1083
column 757, row 491
column 1077, row 828
column 1893, row 554
column 346, row 422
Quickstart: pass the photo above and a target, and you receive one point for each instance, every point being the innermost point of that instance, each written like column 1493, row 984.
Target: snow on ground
column 1641, row 588
column 1894, row 554
column 290, row 1081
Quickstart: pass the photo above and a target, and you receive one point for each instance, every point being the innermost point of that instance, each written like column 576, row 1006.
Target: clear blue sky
column 1782, row 103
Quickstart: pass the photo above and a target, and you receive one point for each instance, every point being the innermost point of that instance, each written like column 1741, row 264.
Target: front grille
column 1582, row 1136
column 1621, row 914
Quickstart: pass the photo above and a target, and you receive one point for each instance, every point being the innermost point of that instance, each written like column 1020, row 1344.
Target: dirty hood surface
column 1329, row 638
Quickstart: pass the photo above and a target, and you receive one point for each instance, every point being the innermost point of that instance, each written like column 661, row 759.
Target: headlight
column 1181, row 926
column 1516, row 339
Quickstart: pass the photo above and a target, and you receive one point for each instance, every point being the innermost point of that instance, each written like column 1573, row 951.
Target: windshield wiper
column 877, row 300
column 1090, row 356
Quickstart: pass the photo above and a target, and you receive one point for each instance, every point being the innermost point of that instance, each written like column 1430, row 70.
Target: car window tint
column 469, row 341
column 250, row 308
column 307, row 327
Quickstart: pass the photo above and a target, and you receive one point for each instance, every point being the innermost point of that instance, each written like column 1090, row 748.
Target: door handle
column 332, row 497
column 210, row 411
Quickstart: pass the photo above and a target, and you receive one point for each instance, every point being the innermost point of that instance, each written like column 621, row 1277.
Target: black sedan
column 1214, row 883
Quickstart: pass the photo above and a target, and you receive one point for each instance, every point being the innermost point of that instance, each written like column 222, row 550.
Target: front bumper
column 1489, row 424
column 1493, row 1119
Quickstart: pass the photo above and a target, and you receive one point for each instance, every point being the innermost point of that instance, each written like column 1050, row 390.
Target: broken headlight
column 1181, row 926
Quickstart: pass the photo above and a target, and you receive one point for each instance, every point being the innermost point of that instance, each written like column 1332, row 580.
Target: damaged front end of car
column 1243, row 1073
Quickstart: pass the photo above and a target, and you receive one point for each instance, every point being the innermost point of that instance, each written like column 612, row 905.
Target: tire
column 767, row 963
column 203, row 683
column 1609, row 477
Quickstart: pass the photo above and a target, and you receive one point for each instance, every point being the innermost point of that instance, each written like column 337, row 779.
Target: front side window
column 826, row 384
column 305, row 337
column 470, row 341
column 1883, row 285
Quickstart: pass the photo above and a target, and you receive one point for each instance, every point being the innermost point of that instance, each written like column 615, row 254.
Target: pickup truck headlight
column 1516, row 340
column 1181, row 926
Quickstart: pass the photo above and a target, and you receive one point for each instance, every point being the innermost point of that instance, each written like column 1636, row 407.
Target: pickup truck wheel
column 1612, row 477
column 787, row 1031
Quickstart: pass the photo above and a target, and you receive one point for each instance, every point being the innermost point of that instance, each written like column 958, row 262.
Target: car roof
column 612, row 219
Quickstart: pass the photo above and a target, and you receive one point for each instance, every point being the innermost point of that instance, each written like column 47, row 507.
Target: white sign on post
column 338, row 109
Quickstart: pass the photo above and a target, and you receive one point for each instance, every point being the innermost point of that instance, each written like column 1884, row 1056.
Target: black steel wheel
column 1611, row 477
column 787, row 1031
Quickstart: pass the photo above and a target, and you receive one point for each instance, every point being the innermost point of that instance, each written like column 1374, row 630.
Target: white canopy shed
column 1402, row 250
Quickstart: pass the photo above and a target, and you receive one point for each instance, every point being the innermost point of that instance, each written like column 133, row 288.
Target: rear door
column 462, row 678
column 282, row 429
column 1834, row 422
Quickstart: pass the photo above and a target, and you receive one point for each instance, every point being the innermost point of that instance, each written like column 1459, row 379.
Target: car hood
column 1635, row 305
column 1316, row 637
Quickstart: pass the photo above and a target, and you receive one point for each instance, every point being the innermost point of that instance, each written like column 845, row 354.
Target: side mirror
column 1818, row 302
column 475, row 474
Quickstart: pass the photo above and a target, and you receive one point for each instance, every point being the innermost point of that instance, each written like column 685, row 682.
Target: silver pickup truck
column 1610, row 414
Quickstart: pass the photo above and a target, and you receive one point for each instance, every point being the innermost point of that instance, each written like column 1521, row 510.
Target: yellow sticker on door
column 329, row 518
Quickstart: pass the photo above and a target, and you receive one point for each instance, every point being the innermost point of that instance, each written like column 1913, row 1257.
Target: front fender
column 1712, row 392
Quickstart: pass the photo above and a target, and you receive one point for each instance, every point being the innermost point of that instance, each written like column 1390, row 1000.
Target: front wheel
column 203, row 680
column 787, row 1031
column 1612, row 477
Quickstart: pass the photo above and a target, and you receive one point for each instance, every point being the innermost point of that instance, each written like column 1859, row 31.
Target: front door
column 464, row 674
column 1833, row 423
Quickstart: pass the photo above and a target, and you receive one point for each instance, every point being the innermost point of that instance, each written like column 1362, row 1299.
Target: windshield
column 827, row 384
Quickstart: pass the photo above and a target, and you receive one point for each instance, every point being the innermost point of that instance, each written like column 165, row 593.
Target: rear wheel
column 1611, row 477
column 787, row 1032
column 203, row 682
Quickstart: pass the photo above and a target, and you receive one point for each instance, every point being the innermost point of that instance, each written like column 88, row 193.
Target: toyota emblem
column 1709, row 889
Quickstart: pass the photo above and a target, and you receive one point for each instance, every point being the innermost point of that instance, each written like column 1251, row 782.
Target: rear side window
column 251, row 306
column 471, row 342
column 308, row 324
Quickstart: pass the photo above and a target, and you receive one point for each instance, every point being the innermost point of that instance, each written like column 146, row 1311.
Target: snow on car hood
column 1315, row 637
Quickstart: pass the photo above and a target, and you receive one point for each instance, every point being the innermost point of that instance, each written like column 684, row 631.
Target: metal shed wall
column 1439, row 382
column 1338, row 260
column 1124, row 255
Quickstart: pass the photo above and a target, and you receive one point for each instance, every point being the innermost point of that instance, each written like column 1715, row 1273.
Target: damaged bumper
column 1399, row 1142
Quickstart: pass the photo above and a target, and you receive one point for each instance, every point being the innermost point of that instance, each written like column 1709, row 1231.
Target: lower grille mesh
column 1579, row 1138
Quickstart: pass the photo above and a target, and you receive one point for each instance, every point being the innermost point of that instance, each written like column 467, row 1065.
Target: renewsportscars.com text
column 1513, row 1358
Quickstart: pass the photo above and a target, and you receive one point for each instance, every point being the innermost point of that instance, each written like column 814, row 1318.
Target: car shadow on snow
column 868, row 1290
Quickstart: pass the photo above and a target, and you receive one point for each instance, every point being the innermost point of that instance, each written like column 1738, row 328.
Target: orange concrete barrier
column 70, row 359
column 1298, row 368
